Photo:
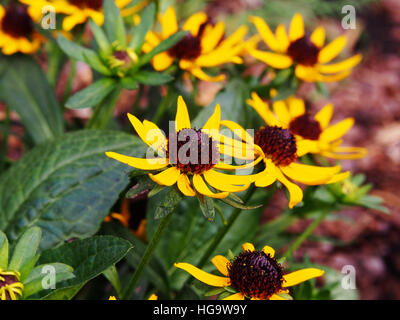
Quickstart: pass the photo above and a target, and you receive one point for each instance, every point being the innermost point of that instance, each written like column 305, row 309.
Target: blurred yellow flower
column 203, row 47
column 17, row 32
column 255, row 275
column 307, row 53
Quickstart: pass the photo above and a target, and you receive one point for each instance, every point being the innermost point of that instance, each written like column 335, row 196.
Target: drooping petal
column 205, row 277
column 275, row 60
column 337, row 131
column 268, row 176
column 295, row 192
column 333, row 77
column 221, row 263
column 296, row 29
column 331, row 51
column 248, row 247
column 307, row 73
column 265, row 32
column 182, row 120
column 338, row 177
column 139, row 163
column 299, row 276
column 341, row 66
column 184, row 186
column 343, row 153
column 310, row 175
column 199, row 73
column 226, row 182
column 167, row 177
column 202, row 188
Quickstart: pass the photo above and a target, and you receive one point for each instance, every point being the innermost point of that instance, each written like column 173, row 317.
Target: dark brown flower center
column 17, row 22
column 8, row 279
column 92, row 4
column 278, row 144
column 187, row 48
column 306, row 127
column 192, row 151
column 256, row 274
column 303, row 51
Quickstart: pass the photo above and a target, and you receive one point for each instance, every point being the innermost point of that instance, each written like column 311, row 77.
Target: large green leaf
column 25, row 89
column 66, row 186
column 113, row 23
column 88, row 257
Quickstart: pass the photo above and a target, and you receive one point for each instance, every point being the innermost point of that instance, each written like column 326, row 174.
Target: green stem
column 55, row 59
column 4, row 145
column 147, row 255
column 70, row 80
column 306, row 233
column 104, row 110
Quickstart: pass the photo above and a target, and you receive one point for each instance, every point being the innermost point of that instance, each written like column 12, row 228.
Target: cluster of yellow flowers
column 290, row 131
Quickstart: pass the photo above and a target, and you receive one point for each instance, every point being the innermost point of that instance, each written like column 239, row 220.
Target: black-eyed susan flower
column 321, row 137
column 190, row 157
column 17, row 33
column 152, row 297
column 203, row 47
column 10, row 285
column 306, row 52
column 255, row 275
column 75, row 11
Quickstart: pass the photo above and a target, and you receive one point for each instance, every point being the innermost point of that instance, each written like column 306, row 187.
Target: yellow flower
column 195, row 171
column 10, row 285
column 321, row 137
column 152, row 297
column 307, row 53
column 76, row 11
column 203, row 47
column 255, row 275
column 17, row 33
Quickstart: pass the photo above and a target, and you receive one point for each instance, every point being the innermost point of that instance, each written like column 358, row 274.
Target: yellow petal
column 226, row 182
column 169, row 22
column 248, row 247
column 296, row 107
column 235, row 296
column 202, row 188
column 337, row 131
column 182, row 120
column 269, row 251
column 299, row 276
column 262, row 108
column 162, row 61
column 213, row 123
column 238, row 130
column 296, row 29
column 282, row 37
column 153, row 297
column 185, row 186
column 221, row 263
column 324, row 115
column 275, row 60
column 310, row 175
column 265, row 32
column 307, row 73
column 212, row 36
column 341, row 66
column 282, row 112
column 318, row 37
column 203, row 276
column 194, row 22
column 71, row 21
column 143, row 164
column 332, row 50
column 334, row 77
column 167, row 177
column 346, row 153
column 199, row 73
column 268, row 176
column 276, row 297
column 305, row 146
column 295, row 192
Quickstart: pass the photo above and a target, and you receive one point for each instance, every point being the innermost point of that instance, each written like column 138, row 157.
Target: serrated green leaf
column 92, row 95
column 144, row 184
column 25, row 89
column 3, row 251
column 171, row 200
column 88, row 257
column 113, row 23
column 26, row 248
column 146, row 22
column 66, row 186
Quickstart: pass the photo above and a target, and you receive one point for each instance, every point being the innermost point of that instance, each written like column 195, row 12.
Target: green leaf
column 207, row 207
column 72, row 49
column 63, row 294
column 113, row 23
column 100, row 37
column 129, row 83
column 88, row 257
column 172, row 198
column 25, row 248
column 112, row 275
column 93, row 59
column 66, row 186
column 144, row 184
column 163, row 46
column 152, row 78
column 3, row 251
column 146, row 22
column 25, row 89
column 34, row 282
column 239, row 205
column 26, row 269
column 92, row 95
